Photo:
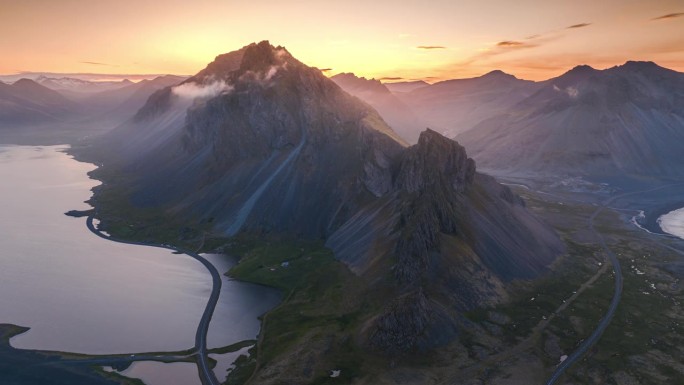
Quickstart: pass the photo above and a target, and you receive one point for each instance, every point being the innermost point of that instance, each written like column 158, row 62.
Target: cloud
column 325, row 69
column 669, row 16
column 391, row 78
column 580, row 25
column 509, row 43
column 513, row 44
column 98, row 63
column 193, row 90
column 431, row 47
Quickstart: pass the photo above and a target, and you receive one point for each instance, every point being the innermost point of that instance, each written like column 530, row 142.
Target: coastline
column 650, row 221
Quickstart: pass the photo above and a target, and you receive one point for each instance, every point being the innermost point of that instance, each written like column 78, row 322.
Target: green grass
column 320, row 302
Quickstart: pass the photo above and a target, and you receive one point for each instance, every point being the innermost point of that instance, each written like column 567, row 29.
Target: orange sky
column 409, row 39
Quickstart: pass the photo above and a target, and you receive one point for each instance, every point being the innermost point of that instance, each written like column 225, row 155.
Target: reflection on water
column 673, row 223
column 80, row 293
column 159, row 373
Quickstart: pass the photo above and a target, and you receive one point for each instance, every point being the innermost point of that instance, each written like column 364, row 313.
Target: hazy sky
column 430, row 39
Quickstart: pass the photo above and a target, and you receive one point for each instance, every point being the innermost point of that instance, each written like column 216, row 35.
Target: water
column 224, row 362
column 80, row 293
column 673, row 223
column 159, row 373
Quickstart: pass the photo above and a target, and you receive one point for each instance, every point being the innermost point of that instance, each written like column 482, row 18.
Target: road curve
column 605, row 321
column 206, row 374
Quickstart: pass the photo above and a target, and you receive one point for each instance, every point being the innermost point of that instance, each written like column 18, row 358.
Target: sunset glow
column 383, row 39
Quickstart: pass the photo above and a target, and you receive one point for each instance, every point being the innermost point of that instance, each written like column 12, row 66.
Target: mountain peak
column 435, row 157
column 582, row 68
column 255, row 57
column 25, row 82
column 576, row 74
column 638, row 66
column 28, row 85
column 261, row 56
column 355, row 84
column 497, row 74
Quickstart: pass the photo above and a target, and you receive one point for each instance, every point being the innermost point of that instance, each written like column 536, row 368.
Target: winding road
column 605, row 321
column 206, row 373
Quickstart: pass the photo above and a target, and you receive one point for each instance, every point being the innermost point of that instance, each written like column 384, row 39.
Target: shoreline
column 650, row 220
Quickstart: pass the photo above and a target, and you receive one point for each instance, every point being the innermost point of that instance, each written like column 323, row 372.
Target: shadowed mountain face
column 397, row 114
column 27, row 102
column 626, row 120
column 258, row 142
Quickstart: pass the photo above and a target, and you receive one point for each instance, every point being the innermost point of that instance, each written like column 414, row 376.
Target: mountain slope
column 626, row 120
column 260, row 143
column 455, row 106
column 397, row 114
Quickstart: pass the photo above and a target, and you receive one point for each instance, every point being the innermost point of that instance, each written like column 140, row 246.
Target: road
column 605, row 321
column 206, row 374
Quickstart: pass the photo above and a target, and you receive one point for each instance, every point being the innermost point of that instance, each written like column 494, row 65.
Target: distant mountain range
column 26, row 102
column 623, row 121
column 45, row 101
column 395, row 112
column 626, row 121
column 258, row 142
column 78, row 85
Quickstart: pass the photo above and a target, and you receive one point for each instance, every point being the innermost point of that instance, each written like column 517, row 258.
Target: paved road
column 605, row 321
column 206, row 374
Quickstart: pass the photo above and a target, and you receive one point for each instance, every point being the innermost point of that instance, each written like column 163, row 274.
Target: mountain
column 397, row 114
column 67, row 85
column 625, row 120
column 120, row 104
column 259, row 143
column 455, row 106
column 27, row 102
column 398, row 87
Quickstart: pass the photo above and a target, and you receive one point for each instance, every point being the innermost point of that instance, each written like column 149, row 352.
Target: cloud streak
column 580, row 25
column 431, row 47
column 669, row 16
column 391, row 78
column 514, row 44
column 97, row 63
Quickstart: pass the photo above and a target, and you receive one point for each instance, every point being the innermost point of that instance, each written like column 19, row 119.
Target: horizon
column 388, row 42
column 135, row 78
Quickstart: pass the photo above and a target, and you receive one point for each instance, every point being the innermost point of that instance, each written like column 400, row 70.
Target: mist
column 204, row 91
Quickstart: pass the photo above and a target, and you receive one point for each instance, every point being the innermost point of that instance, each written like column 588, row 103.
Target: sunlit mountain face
column 324, row 192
